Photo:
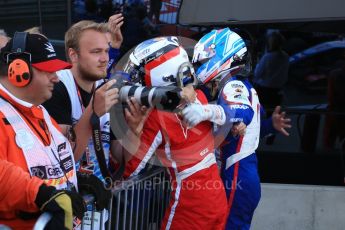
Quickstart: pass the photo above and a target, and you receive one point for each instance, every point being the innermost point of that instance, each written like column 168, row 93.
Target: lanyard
column 79, row 94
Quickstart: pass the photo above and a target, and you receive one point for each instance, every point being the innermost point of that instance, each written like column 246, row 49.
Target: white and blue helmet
column 219, row 51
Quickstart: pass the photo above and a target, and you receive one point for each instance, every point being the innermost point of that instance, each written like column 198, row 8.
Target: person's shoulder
column 235, row 91
column 60, row 86
column 59, row 93
column 65, row 76
column 64, row 72
column 59, row 102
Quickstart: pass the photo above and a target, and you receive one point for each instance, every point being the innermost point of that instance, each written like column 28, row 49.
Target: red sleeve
column 18, row 189
column 201, row 97
column 150, row 139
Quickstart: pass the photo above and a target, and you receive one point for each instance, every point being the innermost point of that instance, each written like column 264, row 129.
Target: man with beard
column 83, row 93
column 82, row 90
column 87, row 50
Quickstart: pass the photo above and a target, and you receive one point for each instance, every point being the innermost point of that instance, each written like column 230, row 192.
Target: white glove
column 195, row 113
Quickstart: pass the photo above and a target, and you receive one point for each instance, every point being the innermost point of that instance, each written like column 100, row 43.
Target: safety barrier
column 138, row 203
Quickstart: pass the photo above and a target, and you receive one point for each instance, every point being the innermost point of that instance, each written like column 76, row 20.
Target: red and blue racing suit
column 239, row 170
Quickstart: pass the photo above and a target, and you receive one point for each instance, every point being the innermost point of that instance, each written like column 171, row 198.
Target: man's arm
column 233, row 109
column 276, row 123
column 150, row 139
column 18, row 189
column 114, row 24
column 123, row 149
column 115, row 40
column 21, row 192
column 104, row 98
column 59, row 107
column 135, row 116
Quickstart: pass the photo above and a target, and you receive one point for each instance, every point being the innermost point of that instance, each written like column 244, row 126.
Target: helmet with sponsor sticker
column 160, row 61
column 219, row 51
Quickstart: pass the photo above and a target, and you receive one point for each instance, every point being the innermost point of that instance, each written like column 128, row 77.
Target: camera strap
column 97, row 143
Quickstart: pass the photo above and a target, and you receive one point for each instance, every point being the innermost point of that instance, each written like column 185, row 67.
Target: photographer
column 83, row 93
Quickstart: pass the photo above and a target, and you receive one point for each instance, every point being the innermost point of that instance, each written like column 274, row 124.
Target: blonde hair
column 34, row 30
column 72, row 36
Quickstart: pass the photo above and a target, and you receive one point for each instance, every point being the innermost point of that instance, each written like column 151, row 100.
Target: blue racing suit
column 239, row 170
column 114, row 54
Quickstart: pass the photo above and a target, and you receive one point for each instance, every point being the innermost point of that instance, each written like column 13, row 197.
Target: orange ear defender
column 19, row 61
column 19, row 73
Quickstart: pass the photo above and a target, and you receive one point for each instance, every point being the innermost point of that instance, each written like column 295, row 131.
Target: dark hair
column 275, row 41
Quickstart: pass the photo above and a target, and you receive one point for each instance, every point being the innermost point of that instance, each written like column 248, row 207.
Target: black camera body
column 166, row 98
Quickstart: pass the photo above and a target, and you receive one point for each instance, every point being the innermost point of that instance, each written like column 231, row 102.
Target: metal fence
column 138, row 203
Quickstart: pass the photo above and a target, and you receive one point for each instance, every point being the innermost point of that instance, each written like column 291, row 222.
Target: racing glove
column 195, row 113
column 62, row 204
column 90, row 184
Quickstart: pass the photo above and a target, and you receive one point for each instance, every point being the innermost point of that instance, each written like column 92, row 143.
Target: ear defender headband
column 19, row 61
